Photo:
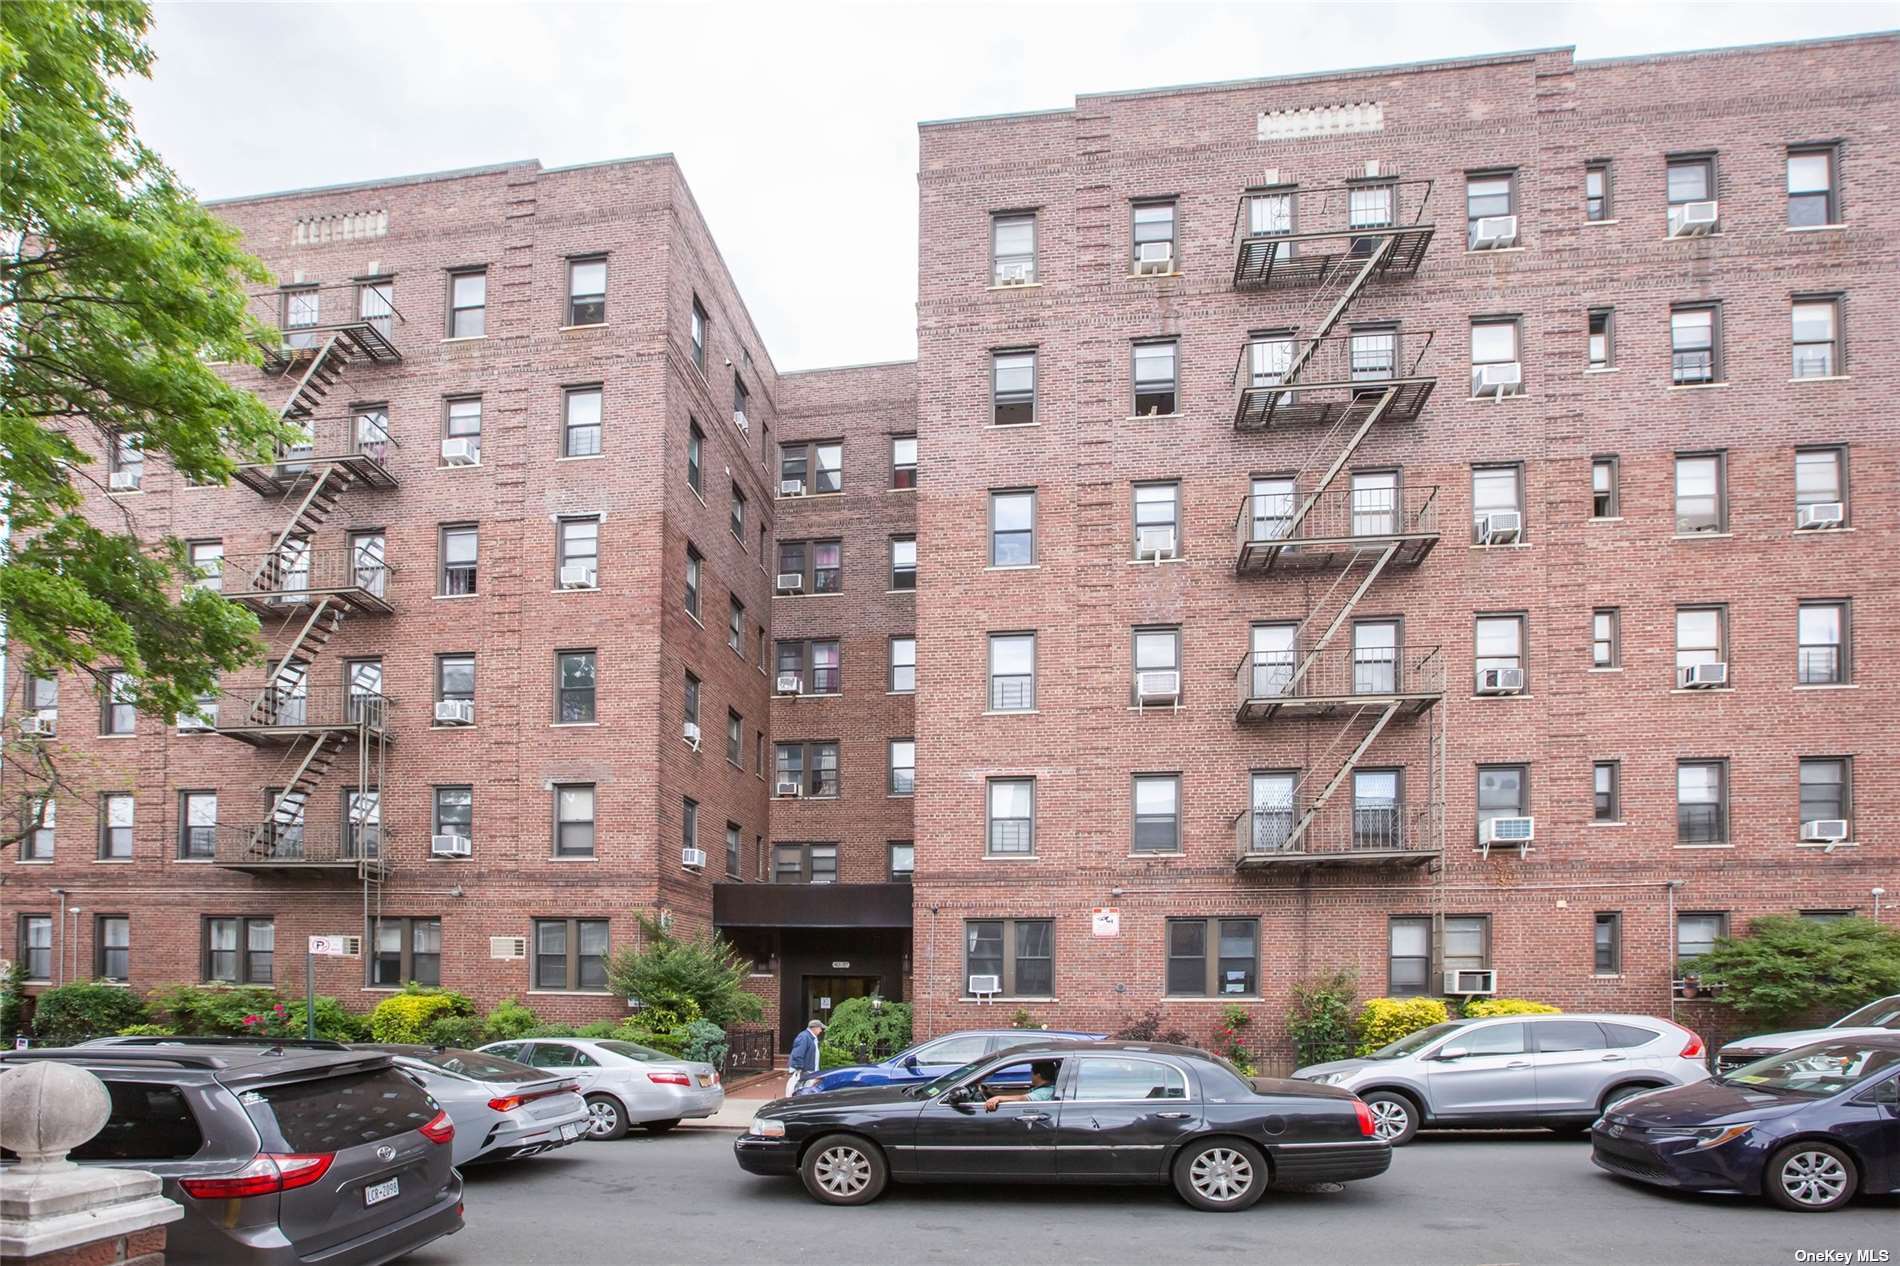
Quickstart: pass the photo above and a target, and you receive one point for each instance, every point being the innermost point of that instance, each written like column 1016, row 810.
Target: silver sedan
column 624, row 1083
column 501, row 1108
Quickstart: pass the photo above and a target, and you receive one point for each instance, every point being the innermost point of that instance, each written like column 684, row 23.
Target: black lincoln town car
column 1097, row 1112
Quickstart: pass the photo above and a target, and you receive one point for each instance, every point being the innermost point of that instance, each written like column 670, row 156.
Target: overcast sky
column 794, row 123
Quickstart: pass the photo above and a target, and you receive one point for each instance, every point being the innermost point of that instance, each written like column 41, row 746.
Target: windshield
column 1418, row 1041
column 1884, row 1014
column 479, row 1066
column 633, row 1050
column 1816, row 1071
column 949, row 1079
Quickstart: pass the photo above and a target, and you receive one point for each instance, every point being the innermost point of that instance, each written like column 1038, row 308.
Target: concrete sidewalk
column 736, row 1115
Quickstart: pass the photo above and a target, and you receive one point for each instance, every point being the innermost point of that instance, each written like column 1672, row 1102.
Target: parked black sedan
column 1807, row 1128
column 1098, row 1112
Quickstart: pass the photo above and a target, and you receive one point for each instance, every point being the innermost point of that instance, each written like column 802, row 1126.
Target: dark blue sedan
column 927, row 1061
column 1807, row 1128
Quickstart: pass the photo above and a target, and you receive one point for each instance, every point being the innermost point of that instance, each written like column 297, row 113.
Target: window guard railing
column 283, row 701
column 1336, row 209
column 1275, row 676
column 1341, row 826
column 1701, row 824
column 270, row 841
column 1266, row 518
column 1363, row 358
column 338, row 306
column 287, row 576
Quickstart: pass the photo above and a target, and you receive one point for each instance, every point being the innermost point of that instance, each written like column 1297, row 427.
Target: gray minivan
column 280, row 1154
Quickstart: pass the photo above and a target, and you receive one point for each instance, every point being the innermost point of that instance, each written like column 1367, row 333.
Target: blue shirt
column 805, row 1052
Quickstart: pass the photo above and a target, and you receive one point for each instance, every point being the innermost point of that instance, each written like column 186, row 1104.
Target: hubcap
column 843, row 1171
column 1221, row 1173
column 1813, row 1177
column 602, row 1119
column 1389, row 1119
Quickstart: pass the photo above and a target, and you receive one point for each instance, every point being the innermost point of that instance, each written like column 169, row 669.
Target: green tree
column 1788, row 968
column 663, row 971
column 1320, row 1019
column 117, row 292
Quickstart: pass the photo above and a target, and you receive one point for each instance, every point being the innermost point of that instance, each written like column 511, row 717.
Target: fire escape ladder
column 1334, row 302
column 1382, row 556
column 324, row 369
column 291, row 802
column 294, row 665
column 313, row 508
column 1366, row 421
column 1338, row 779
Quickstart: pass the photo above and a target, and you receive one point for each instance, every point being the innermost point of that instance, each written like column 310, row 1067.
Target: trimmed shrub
column 13, row 1000
column 869, row 1032
column 668, row 1043
column 146, row 1030
column 406, row 1017
column 1383, row 1021
column 333, row 1021
column 599, row 1028
column 1320, row 1019
column 509, row 1019
column 550, row 1030
column 831, row 1055
column 1508, row 1006
column 464, row 1031
column 1148, row 1029
column 664, row 972
column 195, row 1011
column 705, row 1043
column 75, row 1012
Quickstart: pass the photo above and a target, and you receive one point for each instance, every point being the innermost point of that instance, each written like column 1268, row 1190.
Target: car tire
column 1220, row 1175
column 1810, row 1177
column 659, row 1127
column 1394, row 1117
column 607, row 1120
column 844, row 1169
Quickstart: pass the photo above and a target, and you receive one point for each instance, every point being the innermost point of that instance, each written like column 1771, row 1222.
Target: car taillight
column 1365, row 1117
column 267, row 1173
column 508, row 1103
column 439, row 1129
column 669, row 1079
column 1694, row 1049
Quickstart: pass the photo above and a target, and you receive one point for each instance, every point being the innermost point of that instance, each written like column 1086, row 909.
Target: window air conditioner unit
column 787, row 789
column 1154, row 257
column 791, row 487
column 459, row 451
column 693, row 858
column 1505, row 378
column 981, row 985
column 1702, row 676
column 1500, row 527
column 789, row 683
column 1824, row 831
column 352, row 947
column 36, row 727
column 507, row 947
column 1154, row 542
column 791, row 582
column 577, row 576
column 1163, row 686
column 1471, row 982
column 1693, row 219
column 1500, row 681
column 1493, row 232
column 124, row 480
column 455, row 712
column 1509, row 831
column 739, row 420
column 451, row 846
column 1822, row 514
column 690, row 732
column 1015, row 274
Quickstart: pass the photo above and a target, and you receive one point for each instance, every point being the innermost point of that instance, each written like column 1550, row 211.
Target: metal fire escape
column 303, row 596
column 1337, row 375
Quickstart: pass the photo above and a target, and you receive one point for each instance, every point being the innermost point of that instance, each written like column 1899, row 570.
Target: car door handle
column 1027, row 1117
column 1174, row 1116
column 1519, row 1063
column 1612, row 1058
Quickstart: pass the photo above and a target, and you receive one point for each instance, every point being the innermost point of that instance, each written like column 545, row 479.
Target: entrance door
column 824, row 993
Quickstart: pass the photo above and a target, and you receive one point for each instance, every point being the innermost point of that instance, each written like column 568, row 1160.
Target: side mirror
column 1451, row 1052
column 910, row 1062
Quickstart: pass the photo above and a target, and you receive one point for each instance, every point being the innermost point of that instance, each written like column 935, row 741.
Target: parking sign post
column 329, row 947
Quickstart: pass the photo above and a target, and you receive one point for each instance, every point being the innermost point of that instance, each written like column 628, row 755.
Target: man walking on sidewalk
column 804, row 1055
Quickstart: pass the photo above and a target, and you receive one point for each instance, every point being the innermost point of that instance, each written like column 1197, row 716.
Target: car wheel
column 605, row 1119
column 1394, row 1117
column 1810, row 1177
column 1220, row 1175
column 844, row 1169
column 659, row 1127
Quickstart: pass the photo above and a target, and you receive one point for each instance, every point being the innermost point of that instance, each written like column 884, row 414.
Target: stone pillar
column 56, row 1213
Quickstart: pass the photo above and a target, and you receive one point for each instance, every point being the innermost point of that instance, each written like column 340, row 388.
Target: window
column 1157, row 813
column 570, row 954
column 198, row 824
column 1701, row 494
column 116, row 811
column 1012, row 817
column 39, row 820
column 1495, row 490
column 1608, row 804
column 303, row 306
column 816, row 468
column 1812, row 200
column 1487, row 196
column 1231, row 968
column 455, row 677
column 695, row 441
column 1816, row 334
column 734, row 843
column 1019, row 953
column 112, row 947
column 239, row 951
column 454, row 812
column 43, row 701
column 818, row 564
column 462, row 423
column 1696, row 935
column 903, row 767
column 587, row 291
column 903, row 461
column 468, row 304
column 574, row 819
column 698, row 329
column 207, row 565
column 1827, row 784
column 1701, row 637
column 1504, row 791
column 1012, row 529
column 690, row 703
column 1499, row 644
column 1270, row 504
column 1606, row 492
column 1702, row 802
column 285, row 821
column 579, row 550
column 405, row 949
column 1157, row 520
column 693, row 560
column 127, row 462
column 735, row 738
column 903, row 562
column 1602, row 350
column 1695, row 345
column 372, row 430
column 459, row 550
column 362, row 822
column 121, row 715
column 1821, row 650
column 804, row 863
column 1690, row 179
column 36, row 945
column 1409, row 958
column 903, row 855
column 1154, row 229
column 818, row 664
column 1467, row 943
column 1377, row 813
column 1820, row 478
column 740, row 398
column 1609, row 944
column 903, row 665
column 812, row 767
column 1157, row 657
column 1155, row 380
column 735, row 625
column 575, row 683
column 580, row 422
column 1013, row 388
column 1012, row 249
column 369, row 562
column 1596, row 193
column 689, row 823
column 1494, row 348
column 1012, row 672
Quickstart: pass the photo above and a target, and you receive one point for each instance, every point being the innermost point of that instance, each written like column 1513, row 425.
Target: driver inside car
column 1042, row 1086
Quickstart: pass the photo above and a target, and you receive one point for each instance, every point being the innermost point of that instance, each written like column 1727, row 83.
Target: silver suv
column 1556, row 1071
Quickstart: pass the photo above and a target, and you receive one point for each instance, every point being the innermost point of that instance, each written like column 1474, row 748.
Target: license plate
column 380, row 1192
column 573, row 1129
column 705, row 1079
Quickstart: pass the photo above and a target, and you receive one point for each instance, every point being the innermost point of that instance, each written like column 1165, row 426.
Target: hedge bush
column 1383, row 1021
column 333, row 1021
column 705, row 1043
column 1320, row 1020
column 146, row 1030
column 195, row 1011
column 598, row 1029
column 508, row 1020
column 880, row 1031
column 664, row 972
column 461, row 1031
column 549, row 1030
column 1508, row 1006
column 406, row 1017
column 12, row 1000
column 75, row 1012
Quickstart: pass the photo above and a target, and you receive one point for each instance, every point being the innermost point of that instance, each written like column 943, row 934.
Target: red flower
column 279, row 1008
column 251, row 1019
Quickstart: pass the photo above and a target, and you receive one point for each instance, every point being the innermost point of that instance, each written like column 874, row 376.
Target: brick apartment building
column 1434, row 521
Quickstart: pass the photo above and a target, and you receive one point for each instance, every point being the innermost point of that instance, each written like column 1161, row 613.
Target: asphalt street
column 1455, row 1200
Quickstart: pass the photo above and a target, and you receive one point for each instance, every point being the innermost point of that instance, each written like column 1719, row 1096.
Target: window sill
column 1824, row 378
column 1159, row 853
column 901, row 694
column 1818, row 532
column 1704, row 848
column 1154, row 562
column 1154, row 276
column 1019, row 285
column 1510, row 545
column 1592, row 224
column 1011, row 712
column 450, row 729
column 1011, row 426
column 696, row 494
column 1520, row 395
column 809, row 496
column 1691, row 237
column 1697, row 386
column 1613, row 668
column 813, row 694
column 1604, row 369
column 190, row 861
column 452, row 597
column 1606, row 975
column 1703, row 690
column 689, row 615
column 900, row 795
column 1814, row 228
column 127, row 492
column 1704, row 536
column 1601, row 824
column 573, row 725
column 32, row 861
column 556, row 993
column 1827, row 685
column 1015, row 567
column 1522, row 694
column 1006, row 997
column 829, row 593
column 565, row 860
column 1497, row 250
column 576, row 589
column 1176, row 416
column 1605, row 518
column 113, row 861
column 465, row 338
column 1827, row 846
column 912, row 488
column 118, row 736
column 582, row 457
column 1011, row 857
column 912, row 591
column 1221, row 997
column 591, row 325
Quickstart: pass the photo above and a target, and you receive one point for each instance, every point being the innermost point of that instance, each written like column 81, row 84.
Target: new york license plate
column 705, row 1079
column 381, row 1191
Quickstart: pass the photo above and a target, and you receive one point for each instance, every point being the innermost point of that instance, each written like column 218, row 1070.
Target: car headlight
column 768, row 1127
column 1327, row 1079
column 1716, row 1135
